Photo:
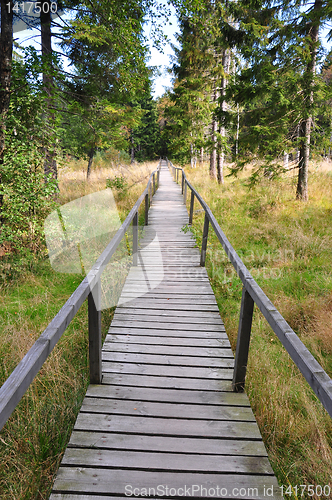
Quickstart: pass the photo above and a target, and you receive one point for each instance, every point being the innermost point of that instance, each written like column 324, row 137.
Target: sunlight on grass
column 286, row 245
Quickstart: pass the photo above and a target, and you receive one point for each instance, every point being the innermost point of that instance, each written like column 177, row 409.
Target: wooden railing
column 252, row 294
column 20, row 379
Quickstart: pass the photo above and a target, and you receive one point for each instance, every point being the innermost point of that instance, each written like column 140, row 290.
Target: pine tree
column 279, row 88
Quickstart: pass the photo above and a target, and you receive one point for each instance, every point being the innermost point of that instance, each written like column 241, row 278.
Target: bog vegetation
column 251, row 92
column 286, row 245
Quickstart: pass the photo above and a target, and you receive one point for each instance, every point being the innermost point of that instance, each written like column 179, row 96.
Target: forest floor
column 31, row 293
column 287, row 246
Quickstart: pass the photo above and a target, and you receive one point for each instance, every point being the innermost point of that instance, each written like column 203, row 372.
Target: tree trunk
column 50, row 166
column 220, row 167
column 222, row 129
column 237, row 132
column 214, row 128
column 303, row 166
column 132, row 150
column 305, row 127
column 201, row 157
column 6, row 54
column 90, row 155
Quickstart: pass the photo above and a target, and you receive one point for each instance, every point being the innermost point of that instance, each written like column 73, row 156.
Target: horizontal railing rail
column 252, row 294
column 20, row 379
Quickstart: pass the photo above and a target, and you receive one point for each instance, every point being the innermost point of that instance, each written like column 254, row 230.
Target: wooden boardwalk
column 164, row 422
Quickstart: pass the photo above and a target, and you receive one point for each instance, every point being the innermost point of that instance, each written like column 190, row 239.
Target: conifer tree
column 279, row 88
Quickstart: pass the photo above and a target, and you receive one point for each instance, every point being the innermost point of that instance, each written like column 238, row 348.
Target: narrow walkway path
column 164, row 422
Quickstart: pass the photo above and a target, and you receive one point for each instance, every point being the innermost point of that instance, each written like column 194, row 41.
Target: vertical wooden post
column 94, row 322
column 135, row 238
column 154, row 184
column 204, row 239
column 243, row 341
column 146, row 222
column 177, row 175
column 185, row 193
column 182, row 182
column 191, row 212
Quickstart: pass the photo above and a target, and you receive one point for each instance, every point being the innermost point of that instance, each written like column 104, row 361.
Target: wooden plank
column 159, row 381
column 170, row 360
column 167, row 426
column 131, row 318
column 166, row 410
column 140, row 442
column 113, row 339
column 168, row 330
column 168, row 370
column 166, row 306
column 169, row 395
column 169, row 313
column 147, row 348
column 120, row 482
column 136, row 460
column 182, row 298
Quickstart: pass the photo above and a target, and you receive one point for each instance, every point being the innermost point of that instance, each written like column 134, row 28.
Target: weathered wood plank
column 155, row 359
column 131, row 319
column 168, row 330
column 136, row 460
column 167, row 350
column 168, row 370
column 167, row 426
column 166, row 410
column 169, row 313
column 143, row 380
column 114, row 339
column 169, row 395
column 140, row 442
column 120, row 482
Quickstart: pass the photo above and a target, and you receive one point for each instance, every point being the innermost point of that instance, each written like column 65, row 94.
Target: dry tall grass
column 286, row 244
column 33, row 440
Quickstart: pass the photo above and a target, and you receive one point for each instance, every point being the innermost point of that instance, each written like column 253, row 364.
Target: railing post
column 154, row 184
column 135, row 238
column 185, row 192
column 177, row 175
column 191, row 212
column 146, row 222
column 243, row 341
column 204, row 240
column 94, row 314
column 182, row 182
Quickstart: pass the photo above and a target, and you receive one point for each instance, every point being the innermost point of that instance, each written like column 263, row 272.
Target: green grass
column 286, row 245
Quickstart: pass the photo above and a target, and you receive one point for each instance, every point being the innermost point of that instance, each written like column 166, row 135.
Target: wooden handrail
column 314, row 374
column 20, row 379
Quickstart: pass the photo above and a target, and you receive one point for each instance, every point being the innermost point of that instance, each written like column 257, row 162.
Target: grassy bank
column 31, row 293
column 286, row 244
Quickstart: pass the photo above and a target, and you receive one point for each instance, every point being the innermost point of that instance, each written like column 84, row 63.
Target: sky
column 163, row 60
